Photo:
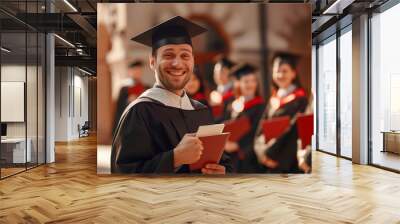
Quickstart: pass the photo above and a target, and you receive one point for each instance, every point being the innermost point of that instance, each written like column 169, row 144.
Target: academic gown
column 247, row 159
column 199, row 96
column 284, row 150
column 152, row 127
column 227, row 98
column 123, row 99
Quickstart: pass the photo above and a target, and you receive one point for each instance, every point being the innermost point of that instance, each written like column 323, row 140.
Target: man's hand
column 212, row 168
column 268, row 162
column 188, row 150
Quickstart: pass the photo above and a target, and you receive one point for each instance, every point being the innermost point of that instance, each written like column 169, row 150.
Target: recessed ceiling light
column 337, row 7
column 64, row 40
column 5, row 50
column 70, row 5
column 84, row 71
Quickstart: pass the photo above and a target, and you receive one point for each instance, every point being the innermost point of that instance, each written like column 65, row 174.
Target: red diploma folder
column 305, row 129
column 212, row 152
column 275, row 127
column 238, row 128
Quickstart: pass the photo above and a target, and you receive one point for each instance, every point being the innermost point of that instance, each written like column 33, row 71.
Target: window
column 313, row 91
column 327, row 95
column 385, row 89
column 345, row 92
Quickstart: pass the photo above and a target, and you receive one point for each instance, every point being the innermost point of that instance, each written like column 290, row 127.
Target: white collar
column 282, row 92
column 168, row 98
column 223, row 88
column 248, row 98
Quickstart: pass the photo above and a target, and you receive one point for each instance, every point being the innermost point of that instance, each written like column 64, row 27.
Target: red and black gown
column 123, row 98
column 227, row 98
column 246, row 159
column 284, row 150
column 199, row 96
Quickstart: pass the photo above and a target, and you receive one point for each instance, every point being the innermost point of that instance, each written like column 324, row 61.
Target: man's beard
column 163, row 78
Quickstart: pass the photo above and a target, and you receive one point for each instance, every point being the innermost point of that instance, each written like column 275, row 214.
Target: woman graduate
column 151, row 136
column 224, row 94
column 248, row 104
column 195, row 87
column 288, row 99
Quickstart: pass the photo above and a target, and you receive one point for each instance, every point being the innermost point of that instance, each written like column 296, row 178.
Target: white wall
column 79, row 117
column 71, row 93
column 33, row 126
column 15, row 73
column 61, row 103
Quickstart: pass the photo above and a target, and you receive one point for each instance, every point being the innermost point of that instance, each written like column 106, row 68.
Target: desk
column 391, row 141
column 13, row 150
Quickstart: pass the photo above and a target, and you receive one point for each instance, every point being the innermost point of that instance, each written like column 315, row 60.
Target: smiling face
column 248, row 85
column 221, row 74
column 283, row 74
column 173, row 64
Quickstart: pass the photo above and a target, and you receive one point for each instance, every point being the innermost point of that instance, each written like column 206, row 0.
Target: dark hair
column 137, row 63
column 292, row 61
column 258, row 91
column 196, row 72
column 241, row 70
column 154, row 52
column 225, row 62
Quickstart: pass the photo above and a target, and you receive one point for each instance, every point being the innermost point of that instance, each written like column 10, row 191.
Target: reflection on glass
column 345, row 94
column 327, row 96
column 14, row 153
column 385, row 86
column 41, row 99
column 22, row 89
column 31, row 100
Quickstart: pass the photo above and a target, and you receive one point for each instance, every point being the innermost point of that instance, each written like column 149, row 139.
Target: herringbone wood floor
column 69, row 191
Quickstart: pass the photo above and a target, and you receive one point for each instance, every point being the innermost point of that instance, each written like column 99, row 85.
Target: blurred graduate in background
column 195, row 87
column 251, row 105
column 279, row 155
column 132, row 89
column 223, row 95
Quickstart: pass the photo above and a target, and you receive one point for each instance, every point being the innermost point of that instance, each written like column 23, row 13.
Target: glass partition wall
column 326, row 88
column 22, row 88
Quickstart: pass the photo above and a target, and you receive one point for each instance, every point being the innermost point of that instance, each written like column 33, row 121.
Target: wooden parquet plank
column 70, row 191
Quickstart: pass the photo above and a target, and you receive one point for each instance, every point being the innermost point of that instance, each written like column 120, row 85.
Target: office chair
column 84, row 130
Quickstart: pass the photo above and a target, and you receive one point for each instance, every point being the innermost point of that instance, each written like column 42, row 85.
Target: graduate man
column 152, row 135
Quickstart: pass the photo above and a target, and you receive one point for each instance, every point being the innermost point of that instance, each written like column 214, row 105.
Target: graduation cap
column 136, row 63
column 286, row 58
column 242, row 70
column 225, row 62
column 176, row 30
